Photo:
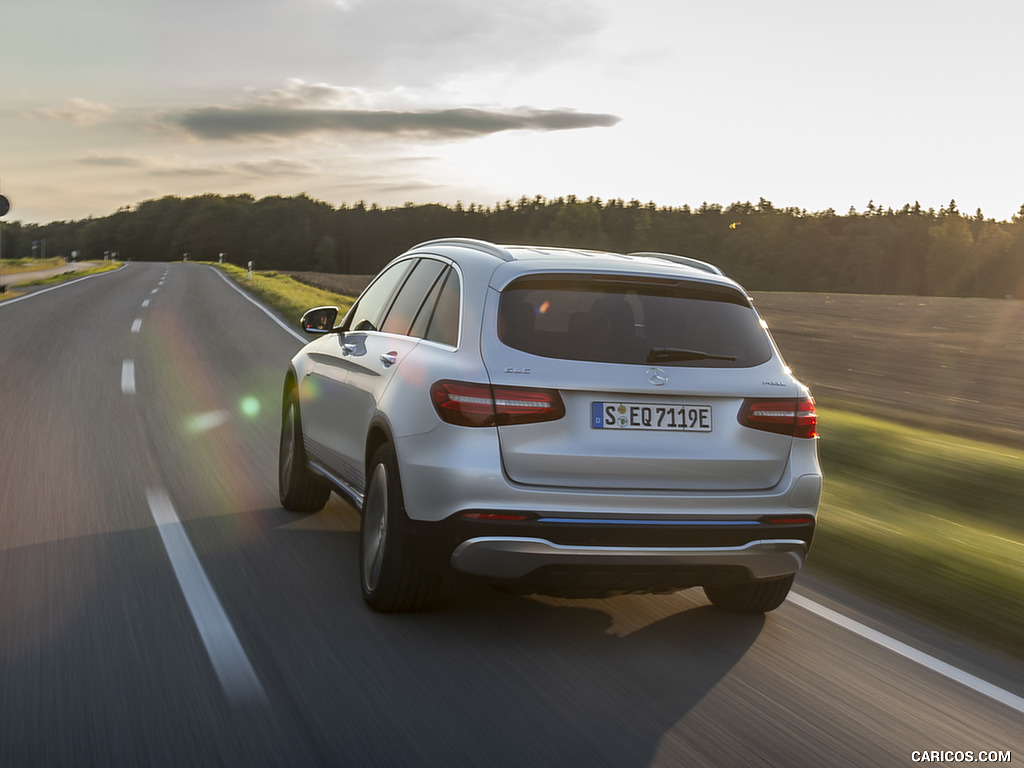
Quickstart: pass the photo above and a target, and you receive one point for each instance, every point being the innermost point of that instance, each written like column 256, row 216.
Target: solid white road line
column 908, row 652
column 137, row 325
column 262, row 308
column 128, row 377
column 234, row 670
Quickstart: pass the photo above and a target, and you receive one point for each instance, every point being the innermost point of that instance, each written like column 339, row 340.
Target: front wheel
column 752, row 597
column 391, row 580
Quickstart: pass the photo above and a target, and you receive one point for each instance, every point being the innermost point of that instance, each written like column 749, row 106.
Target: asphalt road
column 158, row 607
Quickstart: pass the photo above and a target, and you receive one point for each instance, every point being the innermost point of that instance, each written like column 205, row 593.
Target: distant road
column 8, row 278
column 159, row 608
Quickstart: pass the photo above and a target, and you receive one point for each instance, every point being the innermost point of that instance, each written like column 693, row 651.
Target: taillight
column 481, row 405
column 786, row 416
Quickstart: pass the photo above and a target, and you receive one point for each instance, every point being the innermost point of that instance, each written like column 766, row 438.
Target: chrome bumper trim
column 514, row 558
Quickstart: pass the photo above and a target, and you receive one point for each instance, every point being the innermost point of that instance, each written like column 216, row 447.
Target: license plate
column 651, row 416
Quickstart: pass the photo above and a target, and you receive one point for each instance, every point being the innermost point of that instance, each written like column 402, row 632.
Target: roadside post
column 5, row 206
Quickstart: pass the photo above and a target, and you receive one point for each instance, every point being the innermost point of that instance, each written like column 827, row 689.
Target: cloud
column 455, row 123
column 376, row 43
column 113, row 161
column 298, row 94
column 161, row 167
column 79, row 112
column 276, row 166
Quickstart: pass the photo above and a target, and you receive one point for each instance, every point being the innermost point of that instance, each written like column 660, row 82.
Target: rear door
column 652, row 372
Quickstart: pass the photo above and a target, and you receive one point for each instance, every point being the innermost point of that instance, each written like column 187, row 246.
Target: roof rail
column 468, row 242
column 685, row 261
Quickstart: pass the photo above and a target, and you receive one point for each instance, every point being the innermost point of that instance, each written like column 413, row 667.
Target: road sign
column 5, row 205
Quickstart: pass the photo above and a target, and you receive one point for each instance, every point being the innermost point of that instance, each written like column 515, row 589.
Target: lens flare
column 250, row 406
column 204, row 422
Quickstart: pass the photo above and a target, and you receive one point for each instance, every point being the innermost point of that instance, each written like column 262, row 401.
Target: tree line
column 904, row 251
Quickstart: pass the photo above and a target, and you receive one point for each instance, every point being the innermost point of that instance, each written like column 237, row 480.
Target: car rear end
column 649, row 435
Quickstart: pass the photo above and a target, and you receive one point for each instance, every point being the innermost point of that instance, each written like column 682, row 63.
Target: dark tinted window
column 444, row 324
column 366, row 313
column 411, row 296
column 617, row 320
column 438, row 319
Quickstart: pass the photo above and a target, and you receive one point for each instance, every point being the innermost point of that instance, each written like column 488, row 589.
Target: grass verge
column 929, row 523
column 285, row 294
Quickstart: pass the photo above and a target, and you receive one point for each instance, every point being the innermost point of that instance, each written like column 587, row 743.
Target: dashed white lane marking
column 908, row 652
column 145, row 303
column 128, row 377
column 137, row 325
column 155, row 290
column 233, row 668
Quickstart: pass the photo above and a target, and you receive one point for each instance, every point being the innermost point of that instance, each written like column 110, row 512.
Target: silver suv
column 555, row 421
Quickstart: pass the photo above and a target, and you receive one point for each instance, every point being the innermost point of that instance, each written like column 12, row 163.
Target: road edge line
column 258, row 305
column 974, row 683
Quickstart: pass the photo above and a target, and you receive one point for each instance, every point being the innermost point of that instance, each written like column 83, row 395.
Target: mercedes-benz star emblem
column 657, row 377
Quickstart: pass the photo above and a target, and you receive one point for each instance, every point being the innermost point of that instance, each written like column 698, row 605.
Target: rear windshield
column 616, row 320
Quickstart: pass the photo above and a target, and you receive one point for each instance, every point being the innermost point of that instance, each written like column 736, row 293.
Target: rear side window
column 411, row 296
column 632, row 320
column 438, row 319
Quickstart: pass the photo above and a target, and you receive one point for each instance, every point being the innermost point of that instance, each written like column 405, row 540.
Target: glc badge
column 657, row 377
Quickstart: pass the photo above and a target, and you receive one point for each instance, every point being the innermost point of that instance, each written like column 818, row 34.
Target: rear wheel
column 298, row 488
column 752, row 597
column 391, row 580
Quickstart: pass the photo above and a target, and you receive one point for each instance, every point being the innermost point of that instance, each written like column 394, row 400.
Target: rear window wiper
column 671, row 354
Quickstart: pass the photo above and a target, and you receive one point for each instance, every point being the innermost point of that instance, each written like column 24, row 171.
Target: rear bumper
column 513, row 559
column 581, row 557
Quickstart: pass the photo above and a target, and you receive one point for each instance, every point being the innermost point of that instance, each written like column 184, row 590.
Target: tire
column 752, row 597
column 392, row 582
column 298, row 488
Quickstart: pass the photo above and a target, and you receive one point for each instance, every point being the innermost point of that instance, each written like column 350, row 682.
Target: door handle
column 389, row 359
column 348, row 348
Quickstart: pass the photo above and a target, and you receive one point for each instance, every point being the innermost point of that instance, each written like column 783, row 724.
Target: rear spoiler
column 685, row 261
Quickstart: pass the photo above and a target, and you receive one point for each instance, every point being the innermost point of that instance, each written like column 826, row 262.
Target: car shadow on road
column 486, row 678
column 100, row 656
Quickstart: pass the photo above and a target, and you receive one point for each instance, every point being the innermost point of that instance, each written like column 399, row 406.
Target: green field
column 929, row 523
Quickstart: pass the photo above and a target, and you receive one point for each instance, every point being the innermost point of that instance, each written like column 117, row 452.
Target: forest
column 883, row 251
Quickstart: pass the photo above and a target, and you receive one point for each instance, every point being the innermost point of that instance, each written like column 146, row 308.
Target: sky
column 807, row 104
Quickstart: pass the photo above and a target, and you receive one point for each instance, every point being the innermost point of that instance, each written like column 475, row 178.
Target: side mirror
column 319, row 320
